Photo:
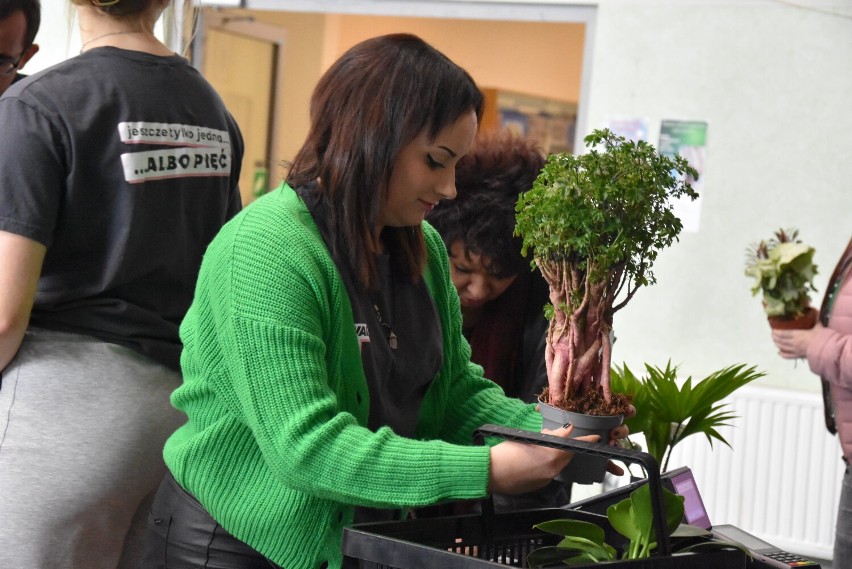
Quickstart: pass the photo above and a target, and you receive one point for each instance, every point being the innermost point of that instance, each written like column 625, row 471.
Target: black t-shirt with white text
column 124, row 165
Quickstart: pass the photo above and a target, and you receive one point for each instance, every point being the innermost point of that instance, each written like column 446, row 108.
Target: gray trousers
column 82, row 428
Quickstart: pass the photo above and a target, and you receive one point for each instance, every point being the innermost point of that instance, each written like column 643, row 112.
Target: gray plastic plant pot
column 583, row 468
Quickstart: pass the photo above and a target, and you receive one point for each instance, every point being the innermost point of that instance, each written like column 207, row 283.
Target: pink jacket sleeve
column 830, row 351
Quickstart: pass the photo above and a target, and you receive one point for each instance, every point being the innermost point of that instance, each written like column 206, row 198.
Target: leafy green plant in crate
column 669, row 410
column 583, row 542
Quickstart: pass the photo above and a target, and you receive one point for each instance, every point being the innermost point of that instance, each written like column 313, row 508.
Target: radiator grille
column 781, row 481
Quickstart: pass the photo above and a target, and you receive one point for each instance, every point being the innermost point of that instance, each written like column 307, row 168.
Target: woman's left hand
column 617, row 434
column 615, row 437
column 620, row 432
column 794, row 344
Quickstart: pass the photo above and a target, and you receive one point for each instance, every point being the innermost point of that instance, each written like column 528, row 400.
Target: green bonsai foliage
column 595, row 224
column 667, row 413
column 783, row 270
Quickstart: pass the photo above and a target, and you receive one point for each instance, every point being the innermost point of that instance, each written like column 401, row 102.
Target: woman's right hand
column 517, row 468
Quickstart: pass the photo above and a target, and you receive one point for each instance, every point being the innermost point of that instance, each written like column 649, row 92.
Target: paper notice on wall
column 689, row 140
column 631, row 128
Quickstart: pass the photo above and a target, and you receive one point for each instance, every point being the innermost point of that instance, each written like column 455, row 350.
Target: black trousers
column 182, row 535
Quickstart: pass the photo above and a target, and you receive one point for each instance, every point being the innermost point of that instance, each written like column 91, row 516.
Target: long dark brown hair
column 371, row 102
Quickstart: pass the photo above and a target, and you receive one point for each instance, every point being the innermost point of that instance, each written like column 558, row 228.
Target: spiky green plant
column 669, row 410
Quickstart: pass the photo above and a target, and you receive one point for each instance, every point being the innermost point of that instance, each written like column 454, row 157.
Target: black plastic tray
column 479, row 541
column 501, row 540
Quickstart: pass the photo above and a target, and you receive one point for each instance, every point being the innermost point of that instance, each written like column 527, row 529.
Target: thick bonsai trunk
column 579, row 346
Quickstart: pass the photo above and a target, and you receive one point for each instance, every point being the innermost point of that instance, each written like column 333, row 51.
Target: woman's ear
column 28, row 53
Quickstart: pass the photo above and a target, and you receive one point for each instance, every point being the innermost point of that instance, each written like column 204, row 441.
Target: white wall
column 772, row 80
column 57, row 36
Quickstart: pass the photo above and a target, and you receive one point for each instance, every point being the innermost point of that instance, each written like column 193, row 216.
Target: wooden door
column 240, row 58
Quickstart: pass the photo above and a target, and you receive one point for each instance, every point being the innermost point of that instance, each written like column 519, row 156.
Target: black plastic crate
column 505, row 540
column 499, row 540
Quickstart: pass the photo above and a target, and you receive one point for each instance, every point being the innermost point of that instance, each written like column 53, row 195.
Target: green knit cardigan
column 275, row 446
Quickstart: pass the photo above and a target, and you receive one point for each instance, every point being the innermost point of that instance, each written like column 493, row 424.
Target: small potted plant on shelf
column 669, row 410
column 595, row 224
column 783, row 270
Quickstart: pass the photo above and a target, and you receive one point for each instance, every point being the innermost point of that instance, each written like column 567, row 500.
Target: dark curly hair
column 489, row 180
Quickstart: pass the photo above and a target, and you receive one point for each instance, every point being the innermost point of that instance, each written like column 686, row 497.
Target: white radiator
column 781, row 480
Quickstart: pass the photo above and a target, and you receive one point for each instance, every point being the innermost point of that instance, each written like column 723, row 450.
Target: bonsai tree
column 668, row 410
column 783, row 270
column 595, row 224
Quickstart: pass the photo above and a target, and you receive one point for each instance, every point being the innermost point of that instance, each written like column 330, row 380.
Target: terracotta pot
column 583, row 468
column 805, row 322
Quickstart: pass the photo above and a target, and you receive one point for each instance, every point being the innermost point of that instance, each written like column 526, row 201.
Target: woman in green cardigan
column 326, row 380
